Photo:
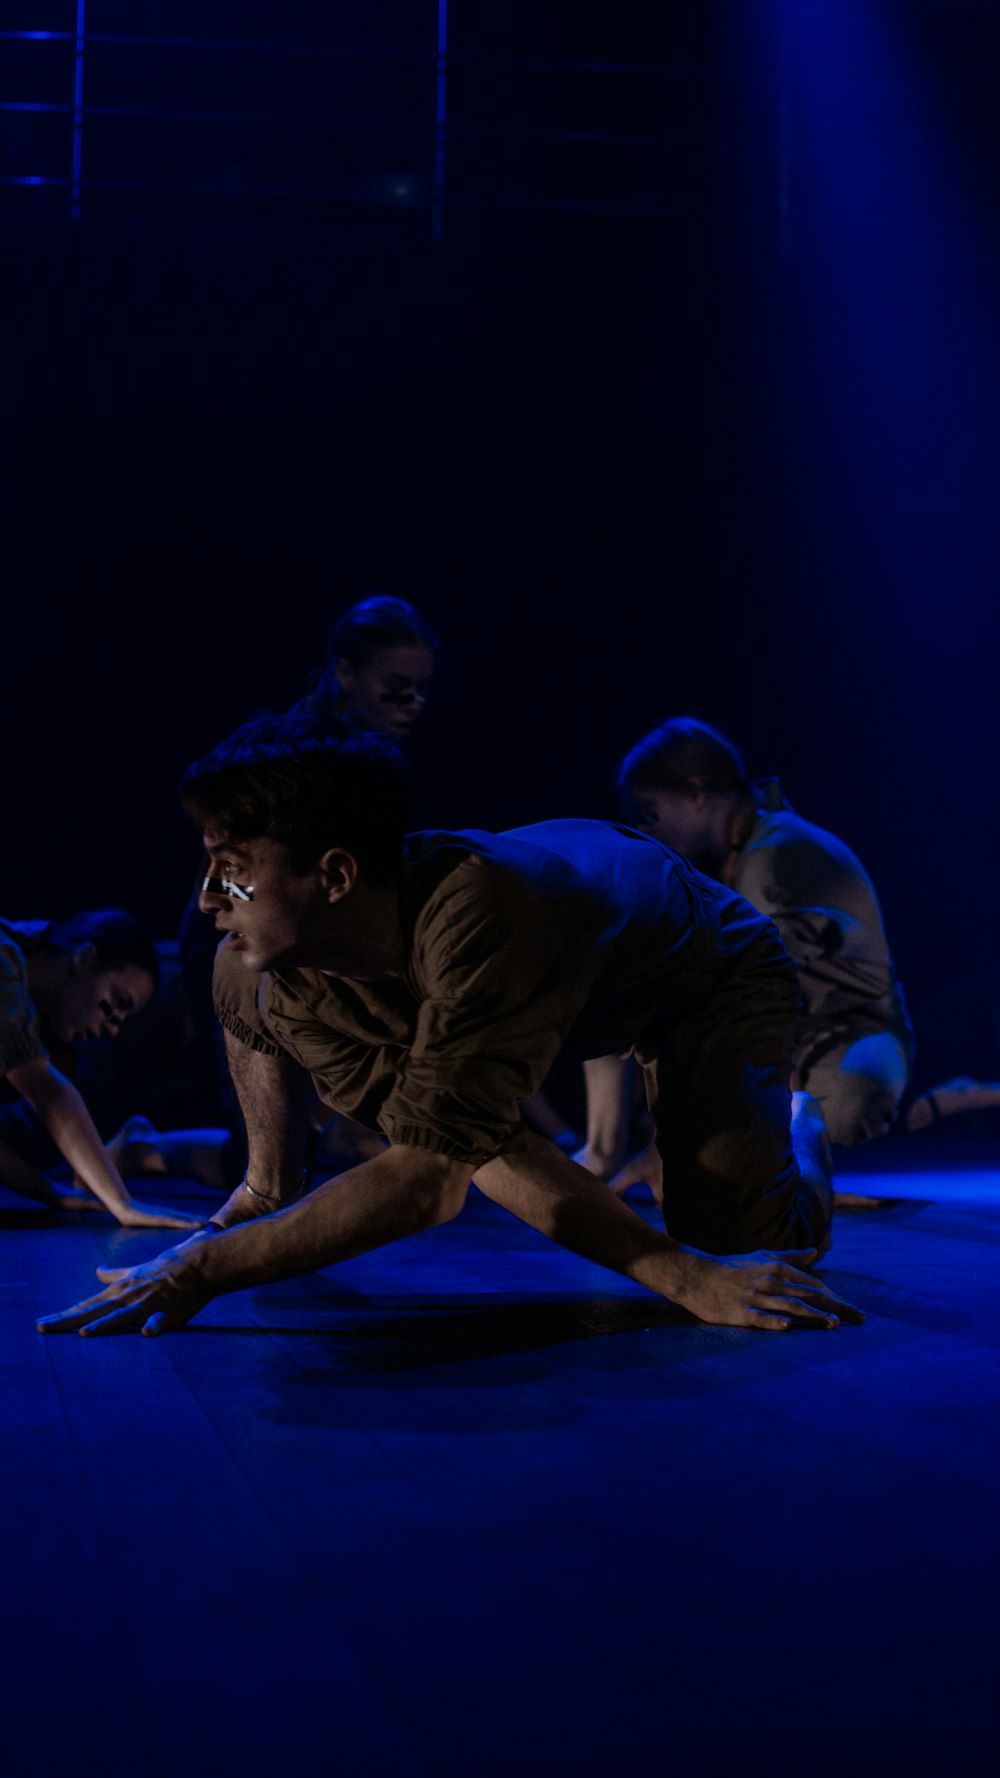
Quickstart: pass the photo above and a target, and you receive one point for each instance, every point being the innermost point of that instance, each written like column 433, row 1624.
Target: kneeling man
column 427, row 985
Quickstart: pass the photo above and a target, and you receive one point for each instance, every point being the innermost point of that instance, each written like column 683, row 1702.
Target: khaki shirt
column 20, row 1026
column 824, row 905
column 560, row 941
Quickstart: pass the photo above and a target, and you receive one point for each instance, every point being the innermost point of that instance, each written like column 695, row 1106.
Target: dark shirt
column 560, row 941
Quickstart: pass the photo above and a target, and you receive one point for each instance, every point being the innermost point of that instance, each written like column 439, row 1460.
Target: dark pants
column 719, row 1095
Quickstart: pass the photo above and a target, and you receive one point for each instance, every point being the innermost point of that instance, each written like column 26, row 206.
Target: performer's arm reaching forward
column 406, row 1190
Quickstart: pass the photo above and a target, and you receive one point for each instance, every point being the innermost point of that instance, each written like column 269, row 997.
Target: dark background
column 673, row 387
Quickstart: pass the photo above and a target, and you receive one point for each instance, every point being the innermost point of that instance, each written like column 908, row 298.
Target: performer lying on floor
column 428, row 986
column 62, row 984
column 687, row 784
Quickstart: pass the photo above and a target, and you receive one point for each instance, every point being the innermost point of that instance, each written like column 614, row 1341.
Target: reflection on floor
column 472, row 1506
column 949, row 1168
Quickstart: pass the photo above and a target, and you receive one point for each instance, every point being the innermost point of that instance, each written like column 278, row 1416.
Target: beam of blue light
column 896, row 344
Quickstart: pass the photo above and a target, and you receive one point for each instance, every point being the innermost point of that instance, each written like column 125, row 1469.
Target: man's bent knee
column 438, row 1184
column 446, row 1203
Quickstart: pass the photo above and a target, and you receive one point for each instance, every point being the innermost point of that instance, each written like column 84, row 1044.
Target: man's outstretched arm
column 565, row 1201
column 396, row 1193
column 405, row 1190
column 271, row 1231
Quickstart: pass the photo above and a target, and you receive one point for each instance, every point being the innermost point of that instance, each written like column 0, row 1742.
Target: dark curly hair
column 281, row 778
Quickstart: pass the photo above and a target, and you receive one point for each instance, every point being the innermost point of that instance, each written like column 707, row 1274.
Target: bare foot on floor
column 135, row 1149
column 951, row 1098
column 140, row 1149
column 643, row 1169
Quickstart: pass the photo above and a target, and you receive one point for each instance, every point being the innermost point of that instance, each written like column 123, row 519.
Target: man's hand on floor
column 765, row 1290
column 153, row 1298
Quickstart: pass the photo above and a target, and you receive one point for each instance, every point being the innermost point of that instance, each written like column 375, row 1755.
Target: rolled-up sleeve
column 234, row 993
column 351, row 1073
column 20, row 1031
column 311, row 1019
column 501, row 974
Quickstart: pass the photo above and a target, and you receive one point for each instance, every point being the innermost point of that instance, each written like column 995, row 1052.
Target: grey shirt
column 824, row 904
column 20, row 1025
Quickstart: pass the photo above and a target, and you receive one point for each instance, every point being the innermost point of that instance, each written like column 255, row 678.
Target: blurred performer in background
column 380, row 662
column 687, row 784
column 381, row 657
column 63, row 985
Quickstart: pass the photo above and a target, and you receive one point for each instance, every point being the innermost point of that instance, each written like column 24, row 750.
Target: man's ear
column 338, row 873
column 343, row 672
column 84, row 959
column 695, row 789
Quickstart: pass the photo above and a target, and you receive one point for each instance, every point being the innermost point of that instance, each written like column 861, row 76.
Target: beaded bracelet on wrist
column 267, row 1197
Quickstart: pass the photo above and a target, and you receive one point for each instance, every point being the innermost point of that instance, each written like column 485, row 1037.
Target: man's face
column 281, row 915
column 389, row 690
column 677, row 817
column 95, row 1002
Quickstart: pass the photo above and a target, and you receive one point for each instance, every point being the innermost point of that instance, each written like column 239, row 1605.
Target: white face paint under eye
column 405, row 699
column 223, row 886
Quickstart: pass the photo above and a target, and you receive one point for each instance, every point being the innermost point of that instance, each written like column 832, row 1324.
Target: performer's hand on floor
column 761, row 1290
column 153, row 1298
column 153, row 1216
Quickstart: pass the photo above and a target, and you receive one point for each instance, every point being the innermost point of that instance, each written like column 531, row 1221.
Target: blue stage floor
column 473, row 1506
